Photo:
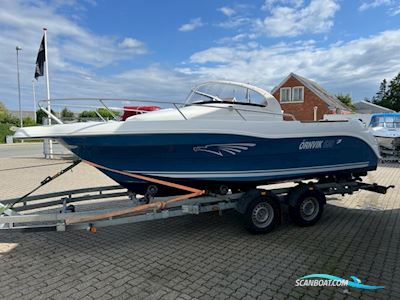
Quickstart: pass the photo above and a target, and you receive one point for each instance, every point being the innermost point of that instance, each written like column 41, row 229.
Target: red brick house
column 306, row 99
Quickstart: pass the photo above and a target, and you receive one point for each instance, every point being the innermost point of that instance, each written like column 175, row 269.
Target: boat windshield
column 386, row 121
column 225, row 93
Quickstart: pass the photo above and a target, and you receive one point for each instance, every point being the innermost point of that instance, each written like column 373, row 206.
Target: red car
column 130, row 111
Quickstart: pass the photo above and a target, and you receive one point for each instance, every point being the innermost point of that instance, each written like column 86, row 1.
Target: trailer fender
column 296, row 192
column 306, row 204
column 253, row 194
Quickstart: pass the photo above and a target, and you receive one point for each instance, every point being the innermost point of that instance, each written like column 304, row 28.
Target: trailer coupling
column 381, row 189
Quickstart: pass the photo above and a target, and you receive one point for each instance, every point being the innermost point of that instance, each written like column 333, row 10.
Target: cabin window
column 298, row 93
column 381, row 121
column 374, row 122
column 285, row 94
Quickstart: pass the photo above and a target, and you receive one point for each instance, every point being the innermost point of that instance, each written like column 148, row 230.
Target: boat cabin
column 388, row 120
column 232, row 93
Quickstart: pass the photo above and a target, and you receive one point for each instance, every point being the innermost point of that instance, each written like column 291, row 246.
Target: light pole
column 19, row 88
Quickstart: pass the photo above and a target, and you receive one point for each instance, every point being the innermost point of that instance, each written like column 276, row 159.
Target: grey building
column 25, row 113
column 365, row 107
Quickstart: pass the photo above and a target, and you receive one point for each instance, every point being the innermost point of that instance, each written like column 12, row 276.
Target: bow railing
column 113, row 112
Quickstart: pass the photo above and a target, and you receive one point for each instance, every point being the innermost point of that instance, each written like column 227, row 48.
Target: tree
column 6, row 117
column 380, row 97
column 393, row 94
column 40, row 114
column 28, row 121
column 346, row 100
column 382, row 93
column 2, row 108
column 105, row 113
column 3, row 112
column 66, row 113
column 389, row 96
column 88, row 114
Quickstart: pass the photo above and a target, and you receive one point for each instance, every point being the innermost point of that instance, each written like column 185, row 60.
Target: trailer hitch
column 381, row 189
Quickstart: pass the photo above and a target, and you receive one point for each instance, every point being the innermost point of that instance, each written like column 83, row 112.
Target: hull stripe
column 257, row 173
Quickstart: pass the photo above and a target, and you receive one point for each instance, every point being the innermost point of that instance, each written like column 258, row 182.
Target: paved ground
column 201, row 257
column 28, row 150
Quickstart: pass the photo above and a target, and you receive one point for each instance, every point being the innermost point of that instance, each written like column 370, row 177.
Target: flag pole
column 18, row 48
column 34, row 100
column 49, row 141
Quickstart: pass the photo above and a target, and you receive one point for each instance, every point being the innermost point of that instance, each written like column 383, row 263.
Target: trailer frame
column 63, row 209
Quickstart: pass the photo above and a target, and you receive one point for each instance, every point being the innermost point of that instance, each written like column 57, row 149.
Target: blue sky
column 159, row 49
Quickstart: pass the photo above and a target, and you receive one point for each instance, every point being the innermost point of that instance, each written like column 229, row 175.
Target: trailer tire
column 262, row 215
column 306, row 206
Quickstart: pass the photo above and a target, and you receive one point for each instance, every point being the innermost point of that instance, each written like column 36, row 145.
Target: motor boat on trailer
column 227, row 134
column 386, row 128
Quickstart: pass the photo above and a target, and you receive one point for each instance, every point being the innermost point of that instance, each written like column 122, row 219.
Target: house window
column 298, row 93
column 285, row 94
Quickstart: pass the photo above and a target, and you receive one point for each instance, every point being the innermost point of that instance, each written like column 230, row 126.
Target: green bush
column 4, row 131
column 66, row 113
column 3, row 112
column 105, row 113
column 101, row 111
column 7, row 121
column 88, row 114
column 40, row 114
column 6, row 117
column 28, row 121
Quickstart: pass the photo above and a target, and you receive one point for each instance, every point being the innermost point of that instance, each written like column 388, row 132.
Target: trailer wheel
column 261, row 215
column 306, row 207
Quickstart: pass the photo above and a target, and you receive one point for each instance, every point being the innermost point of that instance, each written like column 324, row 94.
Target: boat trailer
column 261, row 208
column 389, row 155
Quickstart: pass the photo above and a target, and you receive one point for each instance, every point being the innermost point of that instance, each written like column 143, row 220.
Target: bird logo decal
column 221, row 149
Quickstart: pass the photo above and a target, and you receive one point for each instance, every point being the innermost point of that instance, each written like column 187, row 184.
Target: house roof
column 330, row 100
column 373, row 108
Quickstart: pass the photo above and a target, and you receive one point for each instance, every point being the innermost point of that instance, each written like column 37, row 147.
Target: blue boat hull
column 208, row 161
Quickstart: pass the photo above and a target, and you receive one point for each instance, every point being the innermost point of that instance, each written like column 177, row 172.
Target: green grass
column 4, row 130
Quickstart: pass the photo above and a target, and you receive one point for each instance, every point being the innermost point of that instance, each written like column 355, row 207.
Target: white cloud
column 24, row 22
column 227, row 11
column 359, row 64
column 270, row 4
column 235, row 22
column 395, row 11
column 238, row 16
column 393, row 5
column 292, row 18
column 373, row 4
column 136, row 46
column 215, row 54
column 235, row 39
column 192, row 25
column 74, row 52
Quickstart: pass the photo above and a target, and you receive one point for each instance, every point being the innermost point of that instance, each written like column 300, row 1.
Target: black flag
column 41, row 58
